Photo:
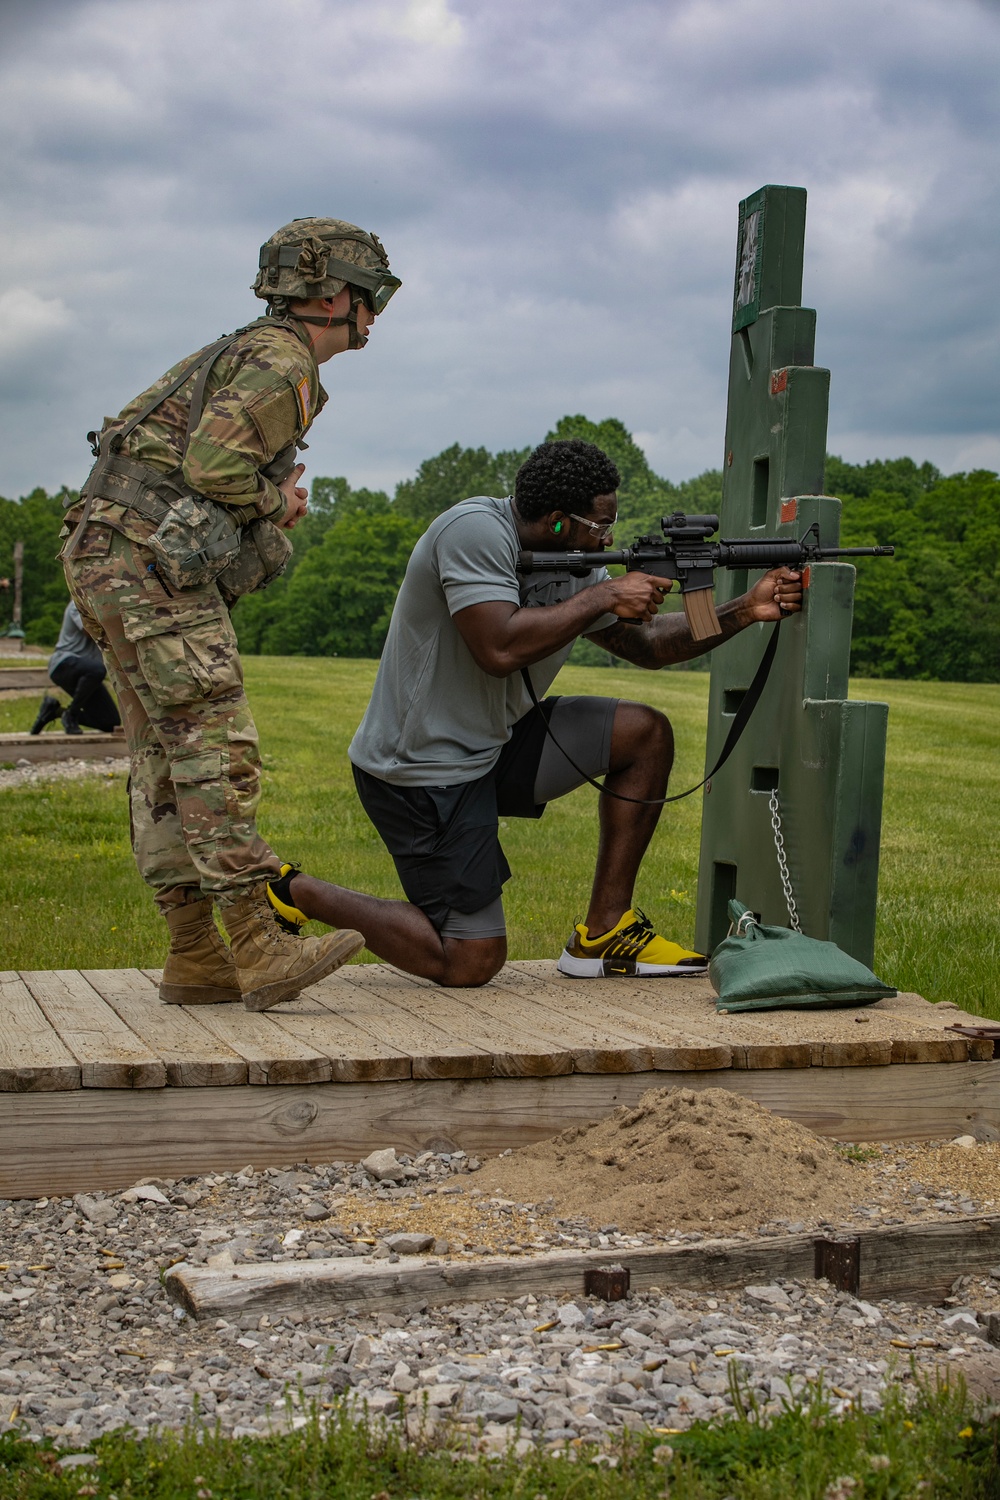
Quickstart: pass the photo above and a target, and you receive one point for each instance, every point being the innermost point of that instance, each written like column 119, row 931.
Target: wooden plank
column 31, row 1054
column 930, row 1049
column 594, row 1046
column 678, row 1046
column 770, row 1039
column 874, row 1054
column 910, row 1262
column 645, row 1018
column 935, row 1019
column 193, row 1057
column 67, row 1143
column 27, row 679
column 110, row 1054
column 477, row 1018
column 579, row 999
column 937, row 1015
column 321, row 1019
column 272, row 1054
column 432, row 1050
column 51, row 746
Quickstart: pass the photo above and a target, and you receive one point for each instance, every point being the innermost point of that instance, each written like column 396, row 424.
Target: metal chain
column 779, row 845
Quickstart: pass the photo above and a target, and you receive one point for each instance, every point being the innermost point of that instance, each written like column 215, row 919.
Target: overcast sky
column 556, row 181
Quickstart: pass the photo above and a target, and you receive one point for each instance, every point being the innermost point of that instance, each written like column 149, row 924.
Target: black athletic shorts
column 444, row 840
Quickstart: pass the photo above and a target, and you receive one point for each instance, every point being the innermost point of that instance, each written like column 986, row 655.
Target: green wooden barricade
column 810, row 760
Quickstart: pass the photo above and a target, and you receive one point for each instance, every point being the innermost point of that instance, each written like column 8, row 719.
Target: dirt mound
column 681, row 1159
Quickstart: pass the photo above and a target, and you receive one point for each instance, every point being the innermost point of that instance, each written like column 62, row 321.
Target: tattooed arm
column 666, row 639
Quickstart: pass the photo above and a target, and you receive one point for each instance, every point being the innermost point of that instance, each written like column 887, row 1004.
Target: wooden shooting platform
column 101, row 1085
column 17, row 682
column 51, row 745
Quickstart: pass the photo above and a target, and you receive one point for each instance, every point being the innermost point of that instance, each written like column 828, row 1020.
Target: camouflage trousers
column 195, row 760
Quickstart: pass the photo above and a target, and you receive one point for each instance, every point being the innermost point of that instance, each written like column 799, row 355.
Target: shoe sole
column 198, row 994
column 626, row 968
column 346, row 945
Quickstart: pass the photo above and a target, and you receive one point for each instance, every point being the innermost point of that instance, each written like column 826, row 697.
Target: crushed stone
column 90, row 1343
column 29, row 773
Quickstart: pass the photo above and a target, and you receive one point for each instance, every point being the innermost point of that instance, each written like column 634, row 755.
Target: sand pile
column 682, row 1159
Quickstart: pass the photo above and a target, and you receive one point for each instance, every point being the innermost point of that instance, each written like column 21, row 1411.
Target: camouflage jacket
column 263, row 394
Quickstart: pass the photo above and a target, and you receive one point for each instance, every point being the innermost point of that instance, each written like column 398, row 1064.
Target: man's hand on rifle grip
column 636, row 597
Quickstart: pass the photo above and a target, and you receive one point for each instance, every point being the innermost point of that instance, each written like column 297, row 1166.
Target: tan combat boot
column 199, row 969
column 273, row 964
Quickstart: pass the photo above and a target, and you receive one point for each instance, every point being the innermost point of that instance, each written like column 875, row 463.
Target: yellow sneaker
column 631, row 947
column 286, row 915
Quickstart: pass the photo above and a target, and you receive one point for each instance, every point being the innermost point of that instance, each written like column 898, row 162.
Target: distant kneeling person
column 77, row 666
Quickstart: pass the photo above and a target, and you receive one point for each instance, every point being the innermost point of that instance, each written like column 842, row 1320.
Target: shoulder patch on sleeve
column 304, row 400
column 275, row 414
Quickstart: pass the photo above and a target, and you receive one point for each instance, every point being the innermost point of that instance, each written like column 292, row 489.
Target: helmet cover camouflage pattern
column 283, row 273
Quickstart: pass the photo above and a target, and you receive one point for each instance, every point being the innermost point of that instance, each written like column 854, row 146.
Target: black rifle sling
column 740, row 721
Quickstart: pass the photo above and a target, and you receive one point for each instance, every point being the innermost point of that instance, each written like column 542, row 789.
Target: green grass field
column 937, row 1445
column 72, row 898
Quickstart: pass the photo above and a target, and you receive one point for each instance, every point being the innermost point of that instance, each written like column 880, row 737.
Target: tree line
column 932, row 613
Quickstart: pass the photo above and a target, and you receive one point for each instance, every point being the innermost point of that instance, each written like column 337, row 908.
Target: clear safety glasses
column 603, row 533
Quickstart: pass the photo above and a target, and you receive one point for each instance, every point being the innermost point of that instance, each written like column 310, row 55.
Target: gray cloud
column 557, row 186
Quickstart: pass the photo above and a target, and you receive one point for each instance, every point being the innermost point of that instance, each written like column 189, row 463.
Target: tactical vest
column 196, row 540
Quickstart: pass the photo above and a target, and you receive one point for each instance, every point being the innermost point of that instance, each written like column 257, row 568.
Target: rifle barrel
column 742, row 552
column 857, row 552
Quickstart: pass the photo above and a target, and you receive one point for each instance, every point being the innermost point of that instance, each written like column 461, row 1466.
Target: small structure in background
column 14, row 633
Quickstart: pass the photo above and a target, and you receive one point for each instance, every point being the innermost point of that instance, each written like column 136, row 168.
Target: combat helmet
column 318, row 258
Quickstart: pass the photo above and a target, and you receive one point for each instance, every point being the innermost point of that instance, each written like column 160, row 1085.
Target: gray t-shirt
column 74, row 641
column 435, row 717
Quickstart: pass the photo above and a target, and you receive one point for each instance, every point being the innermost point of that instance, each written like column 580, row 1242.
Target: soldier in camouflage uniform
column 226, row 432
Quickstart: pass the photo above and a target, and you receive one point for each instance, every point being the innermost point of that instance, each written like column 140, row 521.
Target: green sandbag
column 773, row 968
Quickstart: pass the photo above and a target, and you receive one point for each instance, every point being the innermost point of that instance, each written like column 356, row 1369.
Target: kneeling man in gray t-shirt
column 451, row 741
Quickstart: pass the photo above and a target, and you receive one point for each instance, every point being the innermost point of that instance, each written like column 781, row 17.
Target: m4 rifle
column 685, row 554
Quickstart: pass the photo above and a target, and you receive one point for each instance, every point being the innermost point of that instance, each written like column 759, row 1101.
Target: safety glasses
column 601, row 532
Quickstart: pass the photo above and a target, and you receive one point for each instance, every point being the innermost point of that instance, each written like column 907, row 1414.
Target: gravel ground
column 27, row 773
column 90, row 1343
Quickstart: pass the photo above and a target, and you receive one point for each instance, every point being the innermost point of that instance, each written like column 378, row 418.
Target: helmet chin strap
column 356, row 339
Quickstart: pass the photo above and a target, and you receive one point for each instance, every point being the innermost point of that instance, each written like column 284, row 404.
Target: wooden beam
column 921, row 1261
column 28, row 679
column 329, row 1286
column 74, row 1142
column 52, row 745
column 915, row 1262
